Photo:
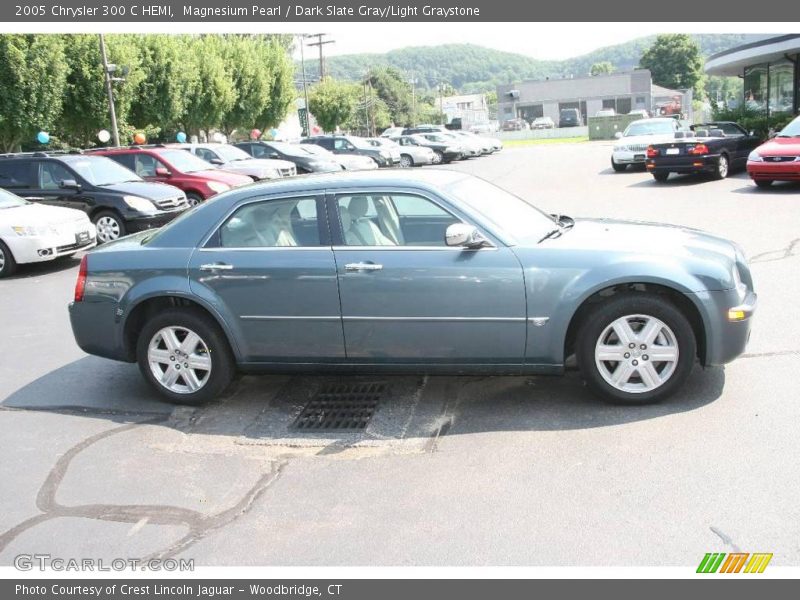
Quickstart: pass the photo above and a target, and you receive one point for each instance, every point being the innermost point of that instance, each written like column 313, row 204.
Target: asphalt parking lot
column 450, row 471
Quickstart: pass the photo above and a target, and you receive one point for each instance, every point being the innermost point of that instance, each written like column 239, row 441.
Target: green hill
column 472, row 68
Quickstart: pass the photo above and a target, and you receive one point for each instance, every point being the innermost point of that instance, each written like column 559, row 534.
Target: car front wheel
column 7, row 263
column 438, row 157
column 406, row 161
column 110, row 226
column 618, row 167
column 184, row 355
column 635, row 349
column 763, row 183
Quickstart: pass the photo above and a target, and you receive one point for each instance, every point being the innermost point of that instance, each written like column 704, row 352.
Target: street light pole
column 305, row 87
column 109, row 91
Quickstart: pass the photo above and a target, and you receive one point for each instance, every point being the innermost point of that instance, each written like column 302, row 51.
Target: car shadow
column 631, row 169
column 28, row 270
column 777, row 188
column 264, row 408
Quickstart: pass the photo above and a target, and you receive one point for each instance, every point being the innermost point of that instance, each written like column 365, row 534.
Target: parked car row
column 715, row 149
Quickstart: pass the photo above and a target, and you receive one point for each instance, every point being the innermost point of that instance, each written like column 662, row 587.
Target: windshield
column 228, row 153
column 505, row 213
column 185, row 162
column 791, row 130
column 9, row 200
column 359, row 143
column 99, row 170
column 649, row 127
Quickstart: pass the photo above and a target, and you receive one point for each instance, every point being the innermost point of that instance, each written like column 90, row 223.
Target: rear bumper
column 683, row 164
column 626, row 157
column 96, row 329
column 761, row 171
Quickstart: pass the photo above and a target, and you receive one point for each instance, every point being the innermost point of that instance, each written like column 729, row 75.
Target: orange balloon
column 139, row 138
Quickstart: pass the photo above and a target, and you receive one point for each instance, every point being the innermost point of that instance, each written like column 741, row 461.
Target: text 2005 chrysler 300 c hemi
column 435, row 272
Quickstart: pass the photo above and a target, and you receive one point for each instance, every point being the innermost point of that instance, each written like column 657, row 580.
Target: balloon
column 315, row 130
column 43, row 137
column 273, row 133
column 139, row 138
column 103, row 135
column 255, row 134
column 181, row 137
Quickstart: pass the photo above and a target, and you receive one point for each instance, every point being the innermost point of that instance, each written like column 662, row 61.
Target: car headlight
column 218, row 187
column 619, row 148
column 755, row 157
column 30, row 230
column 139, row 204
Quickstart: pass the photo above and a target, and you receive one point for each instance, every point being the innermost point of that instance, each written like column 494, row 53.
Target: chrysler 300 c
column 435, row 272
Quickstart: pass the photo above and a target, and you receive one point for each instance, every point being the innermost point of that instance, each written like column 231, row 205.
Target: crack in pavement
column 783, row 253
column 725, row 538
column 199, row 524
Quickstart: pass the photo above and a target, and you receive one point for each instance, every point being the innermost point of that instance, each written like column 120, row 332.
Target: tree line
column 189, row 83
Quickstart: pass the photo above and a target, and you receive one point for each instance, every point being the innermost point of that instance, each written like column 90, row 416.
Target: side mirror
column 274, row 155
column 751, row 133
column 216, row 161
column 618, row 135
column 461, row 234
column 162, row 172
column 69, row 184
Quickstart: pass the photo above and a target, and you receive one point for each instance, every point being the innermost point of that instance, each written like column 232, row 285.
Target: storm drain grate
column 340, row 407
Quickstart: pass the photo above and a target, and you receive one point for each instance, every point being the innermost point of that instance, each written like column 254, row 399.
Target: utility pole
column 413, row 83
column 320, row 42
column 109, row 90
column 305, row 87
column 366, row 107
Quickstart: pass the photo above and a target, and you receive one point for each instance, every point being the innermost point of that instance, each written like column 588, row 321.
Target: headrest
column 347, row 220
column 701, row 132
column 716, row 133
column 358, row 207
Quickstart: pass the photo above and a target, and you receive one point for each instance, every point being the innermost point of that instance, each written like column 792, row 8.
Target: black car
column 444, row 153
column 116, row 199
column 712, row 148
column 570, row 117
column 303, row 160
column 350, row 144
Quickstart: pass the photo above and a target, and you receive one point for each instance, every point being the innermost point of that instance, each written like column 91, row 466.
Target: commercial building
column 623, row 91
column 470, row 108
column 770, row 69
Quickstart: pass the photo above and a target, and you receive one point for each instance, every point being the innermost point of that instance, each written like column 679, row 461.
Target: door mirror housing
column 467, row 236
column 274, row 155
column 618, row 135
column 162, row 172
column 216, row 161
column 69, row 184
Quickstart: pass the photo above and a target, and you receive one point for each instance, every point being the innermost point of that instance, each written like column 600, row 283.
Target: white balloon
column 103, row 135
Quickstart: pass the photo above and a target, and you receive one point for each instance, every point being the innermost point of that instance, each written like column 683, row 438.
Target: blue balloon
column 43, row 137
column 181, row 137
column 273, row 133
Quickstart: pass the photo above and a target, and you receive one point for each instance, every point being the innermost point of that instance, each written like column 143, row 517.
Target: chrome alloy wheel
column 2, row 260
column 108, row 229
column 722, row 167
column 636, row 353
column 179, row 360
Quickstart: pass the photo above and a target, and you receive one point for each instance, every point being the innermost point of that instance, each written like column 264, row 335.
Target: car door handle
column 362, row 267
column 216, row 267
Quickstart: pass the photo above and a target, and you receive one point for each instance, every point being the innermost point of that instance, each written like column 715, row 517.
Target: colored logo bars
column 736, row 562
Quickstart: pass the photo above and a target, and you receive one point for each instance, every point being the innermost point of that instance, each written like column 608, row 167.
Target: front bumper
column 42, row 249
column 765, row 171
column 683, row 164
column 154, row 221
column 629, row 157
column 727, row 333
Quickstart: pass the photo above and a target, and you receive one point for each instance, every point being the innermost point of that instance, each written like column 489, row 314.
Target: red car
column 778, row 159
column 197, row 178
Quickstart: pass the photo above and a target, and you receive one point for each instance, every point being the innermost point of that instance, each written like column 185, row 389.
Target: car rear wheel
column 660, row 177
column 110, row 226
column 723, row 167
column 193, row 199
column 635, row 349
column 763, row 183
column 618, row 167
column 406, row 161
column 184, row 355
column 7, row 263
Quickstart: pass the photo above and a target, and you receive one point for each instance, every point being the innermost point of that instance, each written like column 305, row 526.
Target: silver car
column 233, row 159
column 408, row 155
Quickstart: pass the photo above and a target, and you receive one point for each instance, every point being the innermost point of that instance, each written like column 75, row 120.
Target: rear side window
column 17, row 174
column 126, row 160
column 289, row 222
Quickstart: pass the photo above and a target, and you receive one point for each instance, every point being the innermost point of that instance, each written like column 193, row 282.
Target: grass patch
column 540, row 141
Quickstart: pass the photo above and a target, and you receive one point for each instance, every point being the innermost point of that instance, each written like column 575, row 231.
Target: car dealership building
column 770, row 69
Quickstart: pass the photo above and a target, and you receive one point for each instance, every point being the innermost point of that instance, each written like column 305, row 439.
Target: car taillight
column 80, row 284
column 652, row 152
column 699, row 149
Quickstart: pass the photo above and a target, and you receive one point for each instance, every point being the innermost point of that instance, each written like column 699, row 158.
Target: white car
column 349, row 162
column 235, row 160
column 490, row 144
column 36, row 232
column 414, row 154
column 631, row 145
column 388, row 145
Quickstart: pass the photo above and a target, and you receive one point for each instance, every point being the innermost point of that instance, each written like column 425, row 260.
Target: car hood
column 256, row 167
column 223, row 176
column 145, row 189
column 780, row 147
column 645, row 139
column 33, row 215
column 639, row 237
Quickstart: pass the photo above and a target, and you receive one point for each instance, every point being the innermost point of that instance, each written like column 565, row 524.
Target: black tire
column 660, row 176
column 723, row 167
column 439, row 157
column 763, row 183
column 618, row 167
column 106, row 216
column 223, row 364
column 406, row 161
column 600, row 317
column 8, row 266
column 195, row 199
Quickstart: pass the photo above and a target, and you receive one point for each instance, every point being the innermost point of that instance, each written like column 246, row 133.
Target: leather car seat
column 363, row 227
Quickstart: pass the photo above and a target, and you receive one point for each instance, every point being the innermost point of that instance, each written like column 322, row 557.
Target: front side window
column 342, row 144
column 51, row 174
column 287, row 222
column 146, row 165
column 392, row 220
column 205, row 154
